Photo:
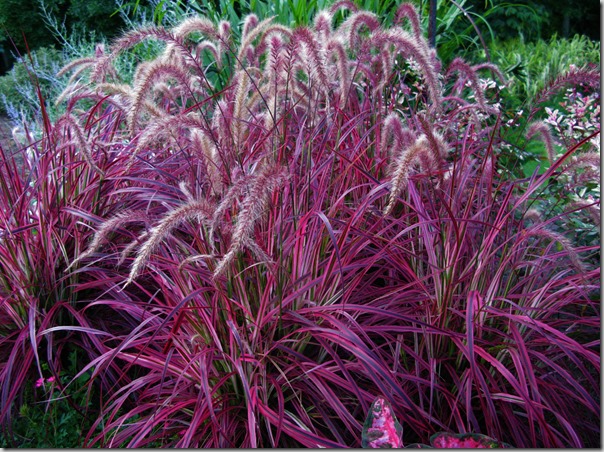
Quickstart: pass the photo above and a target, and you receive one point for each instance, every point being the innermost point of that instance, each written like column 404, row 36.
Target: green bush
column 530, row 66
column 18, row 93
column 75, row 15
column 50, row 417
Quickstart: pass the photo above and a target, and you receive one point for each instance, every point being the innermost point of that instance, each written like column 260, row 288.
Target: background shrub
column 18, row 89
column 532, row 65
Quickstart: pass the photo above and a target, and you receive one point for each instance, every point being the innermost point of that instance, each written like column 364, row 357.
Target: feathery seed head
column 469, row 72
column 224, row 36
column 196, row 24
column 343, row 4
column 261, row 188
column 541, row 128
column 341, row 73
column 239, row 108
column 199, row 210
column 408, row 11
column 395, row 135
column 249, row 23
column 106, row 228
column 314, row 56
column 352, row 27
column 72, row 125
column 419, row 151
column 406, row 44
column 322, row 24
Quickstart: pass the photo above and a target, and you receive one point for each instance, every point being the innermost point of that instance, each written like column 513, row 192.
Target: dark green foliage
column 539, row 19
column 14, row 23
column 531, row 65
column 21, row 19
column 514, row 19
column 51, row 414
column 18, row 96
column 83, row 16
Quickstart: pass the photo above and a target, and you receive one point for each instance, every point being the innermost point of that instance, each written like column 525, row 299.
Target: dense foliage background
column 529, row 19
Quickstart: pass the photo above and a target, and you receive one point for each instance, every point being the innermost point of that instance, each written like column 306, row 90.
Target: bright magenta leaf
column 381, row 429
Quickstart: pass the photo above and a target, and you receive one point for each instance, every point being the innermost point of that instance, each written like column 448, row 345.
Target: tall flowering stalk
column 310, row 73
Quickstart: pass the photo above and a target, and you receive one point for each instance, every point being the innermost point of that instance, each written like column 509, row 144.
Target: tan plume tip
column 541, row 128
column 85, row 62
column 241, row 93
column 106, row 228
column 207, row 152
column 418, row 151
column 253, row 205
column 199, row 210
column 133, row 37
column 71, row 124
column 195, row 24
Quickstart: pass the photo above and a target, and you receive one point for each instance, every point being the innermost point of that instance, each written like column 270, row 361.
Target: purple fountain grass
column 541, row 128
column 468, row 73
column 357, row 302
column 587, row 76
column 79, row 140
column 39, row 236
column 314, row 277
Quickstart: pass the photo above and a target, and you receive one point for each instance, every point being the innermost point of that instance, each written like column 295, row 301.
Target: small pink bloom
column 50, row 380
column 39, row 382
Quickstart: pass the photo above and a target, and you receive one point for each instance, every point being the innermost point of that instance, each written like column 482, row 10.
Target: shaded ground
column 6, row 137
column 7, row 144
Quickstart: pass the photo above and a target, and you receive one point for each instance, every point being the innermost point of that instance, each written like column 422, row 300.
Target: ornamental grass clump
column 301, row 220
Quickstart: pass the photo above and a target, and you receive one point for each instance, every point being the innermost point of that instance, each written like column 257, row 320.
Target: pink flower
column 39, row 382
column 50, row 380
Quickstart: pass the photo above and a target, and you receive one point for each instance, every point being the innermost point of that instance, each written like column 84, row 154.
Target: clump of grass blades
column 302, row 246
column 45, row 188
